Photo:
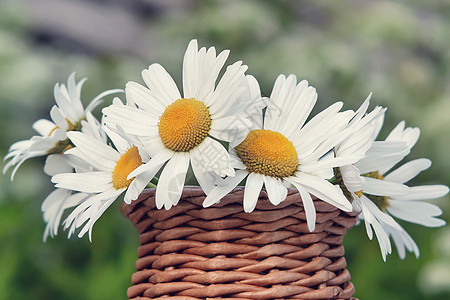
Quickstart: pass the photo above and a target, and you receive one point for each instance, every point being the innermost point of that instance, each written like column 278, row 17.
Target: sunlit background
column 346, row 49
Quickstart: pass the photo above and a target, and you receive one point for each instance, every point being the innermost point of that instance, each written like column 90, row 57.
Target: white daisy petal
column 408, row 171
column 359, row 114
column 228, row 90
column 282, row 89
column 276, row 191
column 59, row 118
column 206, row 180
column 92, row 128
column 308, row 205
column 376, row 163
column 44, row 127
column 369, row 231
column 409, row 135
column 63, row 102
column 224, row 187
column 366, row 212
column 145, row 99
column 423, row 192
column 119, row 142
column 230, row 128
column 383, row 240
column 296, row 115
column 379, row 215
column 403, row 241
column 252, row 191
column 132, row 120
column 153, row 145
column 95, row 152
column 104, row 201
column 212, row 156
column 313, row 142
column 211, row 70
column 190, row 70
column 379, row 187
column 421, row 213
column 161, row 83
column 200, row 70
column 171, row 181
column 397, row 132
column 153, row 165
column 352, row 180
column 92, row 182
column 329, row 163
column 52, row 209
column 45, row 144
column 19, row 163
column 98, row 99
column 138, row 184
column 323, row 190
column 387, row 147
column 57, row 164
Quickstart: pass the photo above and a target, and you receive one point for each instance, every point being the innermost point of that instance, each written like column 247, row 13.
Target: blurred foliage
column 346, row 49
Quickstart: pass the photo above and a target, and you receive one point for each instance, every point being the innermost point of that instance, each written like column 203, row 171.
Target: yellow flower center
column 359, row 193
column 269, row 153
column 124, row 166
column 184, row 124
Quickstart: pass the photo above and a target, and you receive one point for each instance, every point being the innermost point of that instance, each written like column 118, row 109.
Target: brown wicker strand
column 191, row 252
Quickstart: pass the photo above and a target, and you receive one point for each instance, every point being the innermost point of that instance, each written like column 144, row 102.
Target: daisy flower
column 178, row 131
column 365, row 128
column 349, row 177
column 356, row 145
column 384, row 192
column 282, row 151
column 66, row 116
column 106, row 181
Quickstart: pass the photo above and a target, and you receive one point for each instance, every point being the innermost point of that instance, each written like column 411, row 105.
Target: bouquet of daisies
column 223, row 132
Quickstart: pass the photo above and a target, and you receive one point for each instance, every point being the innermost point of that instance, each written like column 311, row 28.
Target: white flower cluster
column 224, row 132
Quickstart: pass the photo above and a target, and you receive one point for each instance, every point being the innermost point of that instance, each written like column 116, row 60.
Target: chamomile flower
column 384, row 192
column 356, row 144
column 282, row 150
column 66, row 116
column 179, row 131
column 107, row 180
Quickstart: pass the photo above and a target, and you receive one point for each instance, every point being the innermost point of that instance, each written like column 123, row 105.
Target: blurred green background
column 346, row 49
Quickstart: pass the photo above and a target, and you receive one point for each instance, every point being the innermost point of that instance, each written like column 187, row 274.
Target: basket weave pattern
column 191, row 252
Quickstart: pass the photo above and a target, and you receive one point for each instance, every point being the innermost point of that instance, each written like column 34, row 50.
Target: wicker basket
column 191, row 252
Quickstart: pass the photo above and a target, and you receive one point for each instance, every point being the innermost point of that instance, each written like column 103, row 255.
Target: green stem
column 153, row 183
column 333, row 180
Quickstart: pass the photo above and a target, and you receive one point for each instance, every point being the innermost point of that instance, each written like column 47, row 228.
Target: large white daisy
column 184, row 130
column 106, row 181
column 384, row 193
column 282, row 151
column 66, row 116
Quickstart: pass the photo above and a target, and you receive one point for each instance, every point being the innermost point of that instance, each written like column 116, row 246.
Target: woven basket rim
column 195, row 193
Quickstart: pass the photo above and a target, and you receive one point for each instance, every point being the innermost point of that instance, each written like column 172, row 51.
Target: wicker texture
column 191, row 252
